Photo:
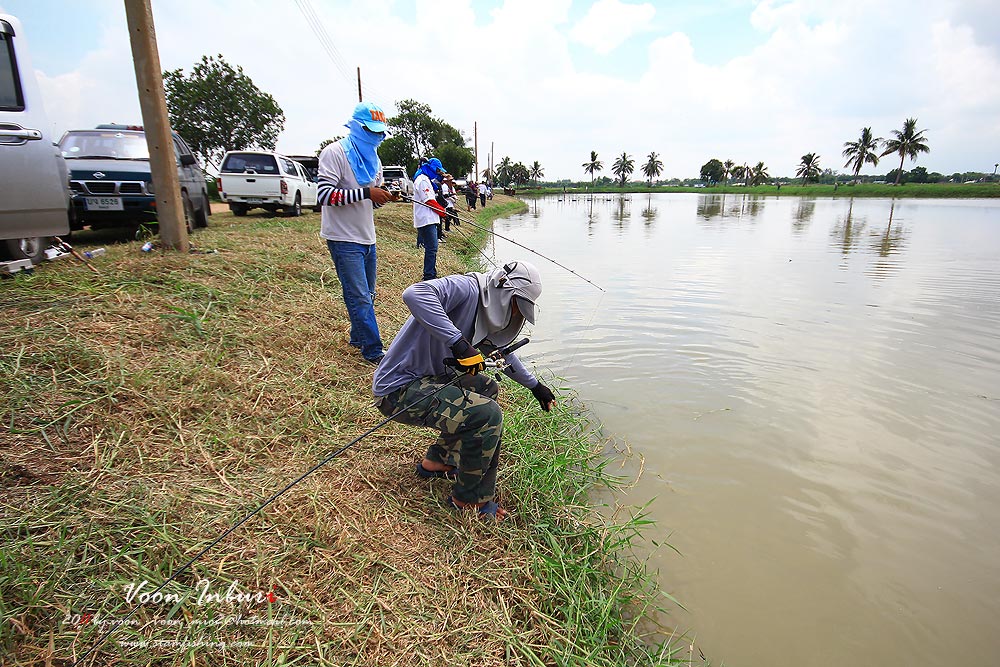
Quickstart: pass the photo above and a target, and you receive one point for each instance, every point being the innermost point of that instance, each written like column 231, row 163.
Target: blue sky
column 747, row 80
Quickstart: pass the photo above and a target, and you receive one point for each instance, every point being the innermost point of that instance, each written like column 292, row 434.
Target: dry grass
column 148, row 408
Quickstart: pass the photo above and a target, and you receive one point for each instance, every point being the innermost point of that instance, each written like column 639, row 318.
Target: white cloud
column 610, row 23
column 821, row 72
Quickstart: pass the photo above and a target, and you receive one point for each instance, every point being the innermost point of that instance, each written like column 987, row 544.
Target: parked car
column 461, row 185
column 34, row 195
column 395, row 178
column 267, row 180
column 112, row 183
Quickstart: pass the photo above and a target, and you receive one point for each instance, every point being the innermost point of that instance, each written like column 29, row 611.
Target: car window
column 104, row 144
column 10, row 85
column 287, row 166
column 237, row 163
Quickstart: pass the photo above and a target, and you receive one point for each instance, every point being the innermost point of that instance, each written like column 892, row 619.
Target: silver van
column 34, row 185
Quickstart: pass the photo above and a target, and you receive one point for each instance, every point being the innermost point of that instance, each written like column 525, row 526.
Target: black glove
column 467, row 358
column 544, row 395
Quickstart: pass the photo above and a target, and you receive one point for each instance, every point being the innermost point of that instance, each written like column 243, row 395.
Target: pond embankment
column 149, row 407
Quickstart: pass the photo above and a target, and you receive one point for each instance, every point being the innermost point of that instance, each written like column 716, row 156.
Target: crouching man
column 460, row 317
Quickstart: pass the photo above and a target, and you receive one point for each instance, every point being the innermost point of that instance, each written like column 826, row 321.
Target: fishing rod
column 407, row 198
column 494, row 360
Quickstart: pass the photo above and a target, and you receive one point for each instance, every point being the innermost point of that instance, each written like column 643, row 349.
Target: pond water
column 813, row 386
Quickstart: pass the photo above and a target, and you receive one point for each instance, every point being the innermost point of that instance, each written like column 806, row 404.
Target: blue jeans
column 355, row 263
column 427, row 236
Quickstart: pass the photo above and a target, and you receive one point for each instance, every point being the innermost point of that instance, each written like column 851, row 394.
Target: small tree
column 712, row 171
column 218, row 108
column 536, row 171
column 758, row 174
column 864, row 150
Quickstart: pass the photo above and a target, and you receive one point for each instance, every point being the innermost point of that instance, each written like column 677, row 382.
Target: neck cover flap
column 431, row 168
column 360, row 147
column 495, row 320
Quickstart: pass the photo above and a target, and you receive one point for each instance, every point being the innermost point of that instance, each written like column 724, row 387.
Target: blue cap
column 435, row 165
column 371, row 116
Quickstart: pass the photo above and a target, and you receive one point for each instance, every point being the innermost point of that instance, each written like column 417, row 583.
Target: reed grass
column 148, row 408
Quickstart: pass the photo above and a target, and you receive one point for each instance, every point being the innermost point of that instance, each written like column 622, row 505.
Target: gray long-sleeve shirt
column 443, row 311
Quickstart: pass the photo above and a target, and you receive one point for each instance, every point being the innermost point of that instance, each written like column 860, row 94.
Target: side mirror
column 187, row 159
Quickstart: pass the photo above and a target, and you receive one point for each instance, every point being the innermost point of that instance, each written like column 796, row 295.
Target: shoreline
column 887, row 191
column 151, row 406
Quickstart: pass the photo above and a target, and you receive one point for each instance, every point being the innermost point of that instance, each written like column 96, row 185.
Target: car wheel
column 188, row 212
column 201, row 215
column 32, row 247
column 239, row 210
column 295, row 210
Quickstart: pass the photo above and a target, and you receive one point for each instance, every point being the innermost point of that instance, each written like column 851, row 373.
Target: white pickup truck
column 271, row 181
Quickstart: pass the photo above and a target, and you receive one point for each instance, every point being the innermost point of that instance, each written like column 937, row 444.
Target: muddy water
column 814, row 387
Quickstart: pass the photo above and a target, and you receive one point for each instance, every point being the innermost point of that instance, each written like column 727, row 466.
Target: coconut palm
column 861, row 151
column 593, row 166
column 808, row 168
column 737, row 171
column 623, row 167
column 727, row 169
column 536, row 171
column 652, row 168
column 503, row 175
column 759, row 175
column 909, row 143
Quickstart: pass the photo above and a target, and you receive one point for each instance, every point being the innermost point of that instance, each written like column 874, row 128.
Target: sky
column 552, row 80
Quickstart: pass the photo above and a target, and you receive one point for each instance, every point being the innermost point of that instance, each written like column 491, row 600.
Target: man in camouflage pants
column 447, row 313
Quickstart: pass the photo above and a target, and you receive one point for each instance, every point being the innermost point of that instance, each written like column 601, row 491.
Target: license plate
column 104, row 204
column 253, row 200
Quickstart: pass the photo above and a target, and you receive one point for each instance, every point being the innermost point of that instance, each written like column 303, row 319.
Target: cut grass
column 148, row 408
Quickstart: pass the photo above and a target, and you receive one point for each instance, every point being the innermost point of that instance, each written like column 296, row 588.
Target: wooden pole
column 156, row 122
column 359, row 86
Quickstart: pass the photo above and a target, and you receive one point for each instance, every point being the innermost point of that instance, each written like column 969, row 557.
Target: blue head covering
column 360, row 144
column 432, row 168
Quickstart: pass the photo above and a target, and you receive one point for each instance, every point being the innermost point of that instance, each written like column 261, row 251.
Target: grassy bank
column 917, row 190
column 148, row 408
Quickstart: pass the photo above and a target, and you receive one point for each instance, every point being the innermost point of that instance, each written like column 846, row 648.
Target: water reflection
column 803, row 215
column 847, row 230
column 622, row 212
column 888, row 245
column 649, row 212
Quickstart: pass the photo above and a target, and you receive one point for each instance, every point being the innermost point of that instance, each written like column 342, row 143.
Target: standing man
column 451, row 199
column 427, row 213
column 482, row 193
column 349, row 175
column 457, row 316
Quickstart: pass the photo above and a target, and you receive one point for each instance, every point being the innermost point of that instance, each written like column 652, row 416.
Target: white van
column 34, row 185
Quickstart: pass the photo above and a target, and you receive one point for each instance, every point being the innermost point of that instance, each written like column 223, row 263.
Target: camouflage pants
column 470, row 422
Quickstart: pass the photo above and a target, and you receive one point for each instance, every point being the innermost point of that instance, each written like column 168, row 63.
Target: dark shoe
column 439, row 474
column 375, row 361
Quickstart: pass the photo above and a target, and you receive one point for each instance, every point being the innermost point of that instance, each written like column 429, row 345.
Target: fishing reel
column 495, row 360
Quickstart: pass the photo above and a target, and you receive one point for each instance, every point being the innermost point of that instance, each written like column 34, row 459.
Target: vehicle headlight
column 149, row 187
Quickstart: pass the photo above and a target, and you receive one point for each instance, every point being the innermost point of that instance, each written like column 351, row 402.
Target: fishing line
column 406, row 198
column 274, row 497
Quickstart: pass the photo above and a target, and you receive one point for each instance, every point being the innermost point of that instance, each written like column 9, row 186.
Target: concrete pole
column 475, row 145
column 156, row 122
column 359, row 86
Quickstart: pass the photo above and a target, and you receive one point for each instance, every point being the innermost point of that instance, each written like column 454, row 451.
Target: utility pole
column 493, row 178
column 475, row 145
column 156, row 123
column 359, row 86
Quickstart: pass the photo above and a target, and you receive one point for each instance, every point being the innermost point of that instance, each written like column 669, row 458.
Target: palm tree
column 652, row 168
column 737, row 171
column 909, row 143
column 593, row 166
column 623, row 167
column 861, row 151
column 536, row 172
column 503, row 175
column 808, row 168
column 727, row 169
column 759, row 175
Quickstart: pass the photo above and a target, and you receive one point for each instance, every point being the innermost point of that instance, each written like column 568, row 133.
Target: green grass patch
column 148, row 408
